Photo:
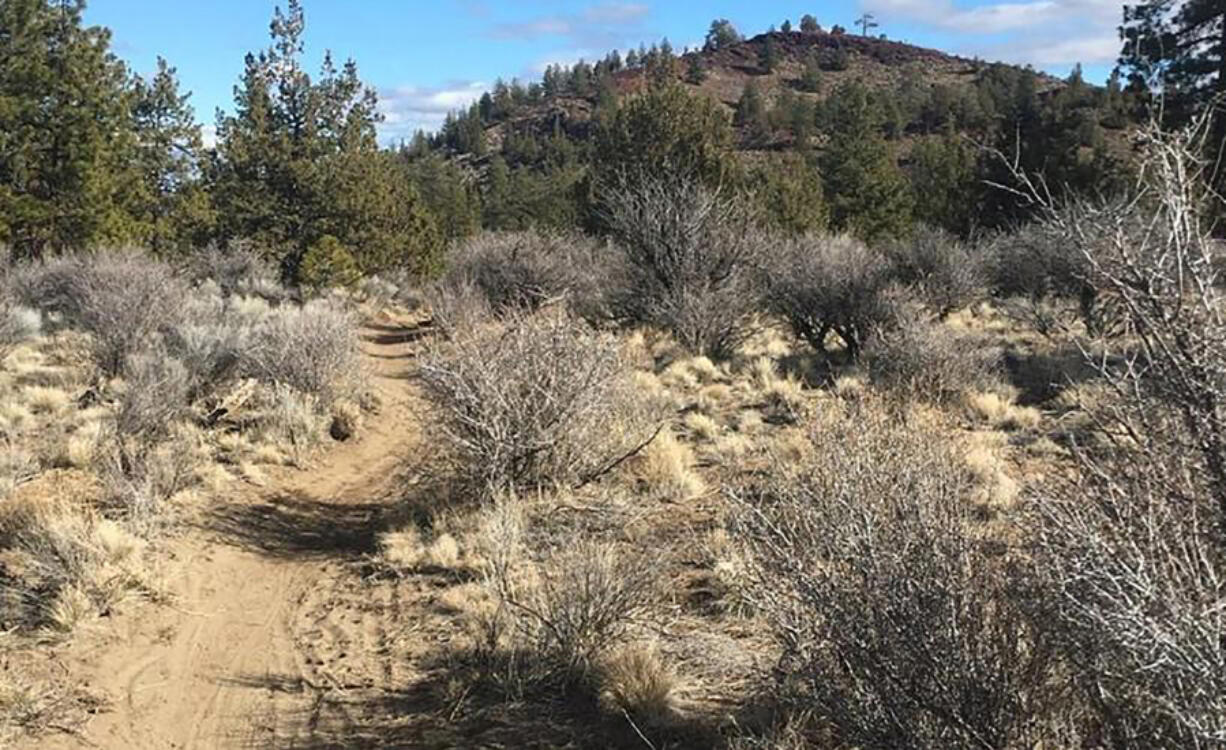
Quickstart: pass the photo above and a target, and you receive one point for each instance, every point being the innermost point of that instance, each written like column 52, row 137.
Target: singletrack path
column 248, row 647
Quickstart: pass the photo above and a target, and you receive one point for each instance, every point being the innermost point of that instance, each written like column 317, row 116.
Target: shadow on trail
column 294, row 525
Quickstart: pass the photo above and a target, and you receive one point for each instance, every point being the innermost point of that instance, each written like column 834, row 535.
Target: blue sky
column 426, row 58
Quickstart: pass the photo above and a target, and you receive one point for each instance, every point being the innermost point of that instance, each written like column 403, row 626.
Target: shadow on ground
column 295, row 525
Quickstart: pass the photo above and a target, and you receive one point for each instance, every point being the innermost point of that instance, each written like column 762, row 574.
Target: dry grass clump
column 17, row 323
column 543, row 400
column 1000, row 412
column 665, row 469
column 410, row 549
column 895, row 621
column 63, row 563
column 635, row 679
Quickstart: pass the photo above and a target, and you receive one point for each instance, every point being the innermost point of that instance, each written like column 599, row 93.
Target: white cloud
column 599, row 26
column 407, row 109
column 1038, row 32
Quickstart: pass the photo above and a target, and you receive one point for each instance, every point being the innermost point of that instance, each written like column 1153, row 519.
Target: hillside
column 881, row 64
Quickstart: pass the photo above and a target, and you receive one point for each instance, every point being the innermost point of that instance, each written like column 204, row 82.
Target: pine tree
column 768, row 55
column 945, row 183
column 722, row 34
column 67, row 143
column 811, row 78
column 299, row 160
column 665, row 131
column 1178, row 46
column 172, row 209
column 786, row 28
column 789, row 193
column 696, row 69
column 866, row 191
column 809, row 25
column 751, row 114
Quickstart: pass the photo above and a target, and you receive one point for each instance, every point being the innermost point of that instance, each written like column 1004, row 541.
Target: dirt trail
column 249, row 653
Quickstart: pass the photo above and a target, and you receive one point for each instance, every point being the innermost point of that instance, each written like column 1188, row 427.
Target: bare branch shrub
column 210, row 339
column 945, row 273
column 825, row 284
column 930, row 362
column 121, row 299
column 516, row 271
column 897, row 624
column 457, row 306
column 237, row 271
column 691, row 254
column 541, row 400
column 17, row 323
column 1133, row 552
column 312, row 348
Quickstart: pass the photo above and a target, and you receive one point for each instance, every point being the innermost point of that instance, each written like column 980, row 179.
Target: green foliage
column 811, row 78
column 173, row 210
column 809, row 25
column 695, row 69
column 751, row 114
column 67, row 146
column 768, row 55
column 945, row 182
column 867, row 192
column 299, row 160
column 327, row 263
column 788, row 192
column 448, row 194
column 722, row 34
column 666, row 131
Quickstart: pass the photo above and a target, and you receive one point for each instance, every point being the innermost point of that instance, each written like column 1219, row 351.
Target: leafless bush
column 932, row 363
column 821, row 284
column 1133, row 552
column 1138, row 600
column 945, row 273
column 17, row 323
column 154, row 397
column 313, row 348
column 539, row 401
column 120, row 299
column 457, row 306
column 237, row 271
column 897, row 624
column 516, row 271
column 691, row 256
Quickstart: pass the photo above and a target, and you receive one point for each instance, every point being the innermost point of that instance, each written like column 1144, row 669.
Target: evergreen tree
column 721, row 35
column 665, row 130
column 1179, row 46
column 695, row 69
column 811, row 78
column 768, row 55
column 809, row 25
column 67, row 142
column 171, row 208
column 786, row 28
column 299, row 160
column 751, row 114
column 945, row 183
column 866, row 191
column 789, row 193
column 446, row 193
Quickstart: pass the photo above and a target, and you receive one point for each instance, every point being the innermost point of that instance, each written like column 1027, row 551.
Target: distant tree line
column 92, row 154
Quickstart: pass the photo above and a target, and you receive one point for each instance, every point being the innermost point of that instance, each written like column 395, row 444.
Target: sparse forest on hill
column 805, row 390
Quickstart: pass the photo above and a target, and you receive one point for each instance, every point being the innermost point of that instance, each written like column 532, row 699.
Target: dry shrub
column 930, row 362
column 539, row 401
column 665, row 469
column 690, row 255
column 210, row 341
column 1133, row 553
column 945, row 273
column 121, row 299
column 17, row 323
column 457, row 306
column 312, row 348
column 516, row 271
column 896, row 623
column 238, row 271
column 822, row 284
